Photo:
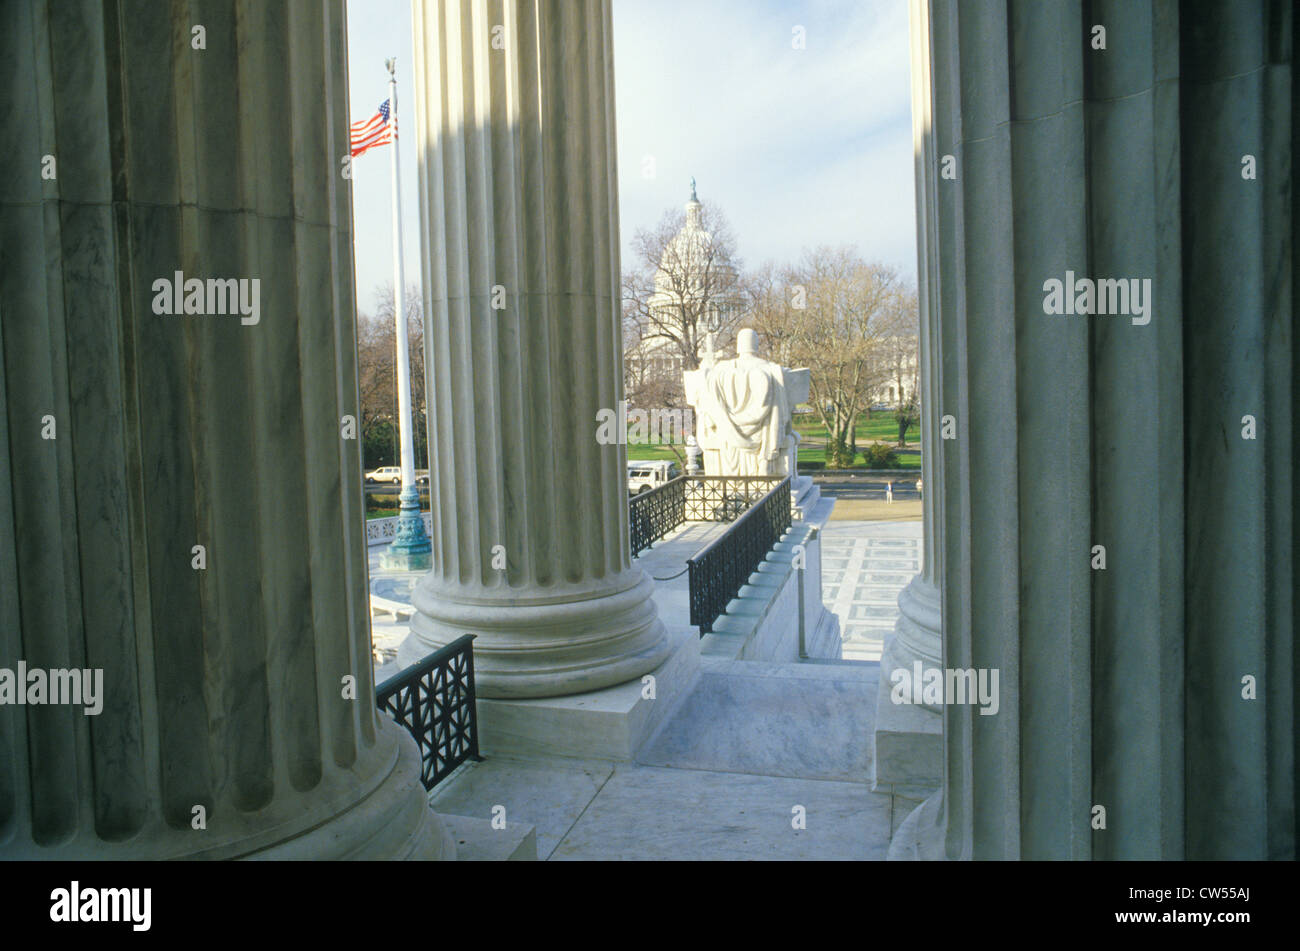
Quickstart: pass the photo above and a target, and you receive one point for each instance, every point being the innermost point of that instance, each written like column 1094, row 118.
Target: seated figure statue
column 743, row 412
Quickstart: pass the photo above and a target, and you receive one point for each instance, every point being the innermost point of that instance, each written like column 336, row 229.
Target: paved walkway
column 386, row 631
column 760, row 761
column 864, row 567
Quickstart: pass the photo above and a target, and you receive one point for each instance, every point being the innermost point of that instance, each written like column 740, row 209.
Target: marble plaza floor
column 759, row 761
column 864, row 567
column 749, row 749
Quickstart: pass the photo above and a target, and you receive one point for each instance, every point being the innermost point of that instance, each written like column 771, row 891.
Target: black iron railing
column 725, row 498
column 720, row 569
column 434, row 700
column 653, row 514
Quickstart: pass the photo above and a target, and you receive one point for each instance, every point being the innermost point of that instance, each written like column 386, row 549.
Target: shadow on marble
column 816, row 725
column 656, row 814
column 549, row 794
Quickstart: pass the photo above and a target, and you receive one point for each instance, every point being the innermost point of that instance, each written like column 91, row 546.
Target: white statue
column 743, row 412
column 693, row 454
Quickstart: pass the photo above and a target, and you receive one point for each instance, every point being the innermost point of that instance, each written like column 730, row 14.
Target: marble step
column 477, row 841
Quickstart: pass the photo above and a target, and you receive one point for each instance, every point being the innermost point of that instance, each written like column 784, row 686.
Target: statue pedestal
column 804, row 496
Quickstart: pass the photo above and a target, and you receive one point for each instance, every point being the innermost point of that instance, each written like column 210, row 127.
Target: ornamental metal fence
column 434, row 700
column 688, row 498
column 720, row 569
column 725, row 498
column 653, row 514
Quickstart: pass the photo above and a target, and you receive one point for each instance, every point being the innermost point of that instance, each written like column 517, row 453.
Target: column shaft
column 225, row 728
column 917, row 633
column 1113, row 542
column 519, row 209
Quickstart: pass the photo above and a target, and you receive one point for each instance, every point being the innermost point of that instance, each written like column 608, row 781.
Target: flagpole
column 411, row 548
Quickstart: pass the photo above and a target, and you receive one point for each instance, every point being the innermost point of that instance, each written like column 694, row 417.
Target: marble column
column 917, row 632
column 180, row 502
column 1118, row 506
column 519, row 219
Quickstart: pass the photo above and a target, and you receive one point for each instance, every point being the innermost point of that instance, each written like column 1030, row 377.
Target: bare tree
column 651, row 375
column 651, row 379
column 377, row 365
column 902, row 352
column 833, row 313
column 684, row 282
column 768, row 303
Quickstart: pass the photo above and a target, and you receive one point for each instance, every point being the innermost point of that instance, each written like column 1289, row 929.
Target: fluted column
column 1118, row 505
column 917, row 631
column 180, row 501
column 519, row 217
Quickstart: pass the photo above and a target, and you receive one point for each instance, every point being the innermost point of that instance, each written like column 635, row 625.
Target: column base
column 907, row 761
column 908, row 752
column 394, row 822
column 535, row 645
column 917, row 636
column 610, row 724
column 909, row 736
column 921, row 836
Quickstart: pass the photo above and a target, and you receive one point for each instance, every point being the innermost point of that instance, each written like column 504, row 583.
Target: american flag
column 372, row 132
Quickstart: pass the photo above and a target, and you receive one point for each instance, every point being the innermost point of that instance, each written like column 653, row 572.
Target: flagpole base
column 411, row 549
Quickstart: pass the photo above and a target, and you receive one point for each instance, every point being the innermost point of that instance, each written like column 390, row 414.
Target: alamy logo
column 657, row 426
column 75, row 903
column 215, row 296
column 36, row 686
column 1084, row 296
column 935, row 687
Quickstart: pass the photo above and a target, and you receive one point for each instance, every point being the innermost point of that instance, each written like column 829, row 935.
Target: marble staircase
column 758, row 761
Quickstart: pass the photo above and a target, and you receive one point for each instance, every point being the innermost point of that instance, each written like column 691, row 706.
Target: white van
column 393, row 474
column 643, row 475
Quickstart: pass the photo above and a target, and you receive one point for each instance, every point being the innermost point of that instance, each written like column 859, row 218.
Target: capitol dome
column 690, row 266
column 692, row 239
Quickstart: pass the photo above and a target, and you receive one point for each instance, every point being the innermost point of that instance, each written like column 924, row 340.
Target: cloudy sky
column 798, row 147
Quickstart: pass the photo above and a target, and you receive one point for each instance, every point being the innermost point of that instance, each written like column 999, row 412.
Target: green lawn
column 650, row 452
column 385, row 506
column 909, row 459
column 882, row 426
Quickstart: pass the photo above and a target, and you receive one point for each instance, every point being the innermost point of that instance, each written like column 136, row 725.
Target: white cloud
column 799, row 147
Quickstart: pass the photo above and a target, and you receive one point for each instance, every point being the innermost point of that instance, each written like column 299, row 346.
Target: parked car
column 421, row 476
column 391, row 474
column 642, row 476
